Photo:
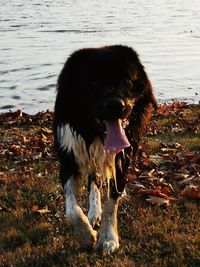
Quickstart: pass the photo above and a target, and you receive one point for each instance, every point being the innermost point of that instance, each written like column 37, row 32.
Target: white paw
column 94, row 216
column 107, row 246
column 83, row 230
column 87, row 237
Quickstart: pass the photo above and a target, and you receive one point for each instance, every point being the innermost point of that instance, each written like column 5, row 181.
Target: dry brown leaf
column 43, row 211
column 37, row 156
column 190, row 180
column 192, row 192
column 158, row 201
column 166, row 190
column 168, row 150
column 36, row 209
column 131, row 177
column 157, row 192
column 143, row 175
column 151, row 173
column 156, row 159
column 3, row 208
column 181, row 176
column 46, row 131
column 2, row 175
column 137, row 187
column 190, row 156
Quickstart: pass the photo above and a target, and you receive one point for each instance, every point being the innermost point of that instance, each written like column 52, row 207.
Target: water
column 36, row 37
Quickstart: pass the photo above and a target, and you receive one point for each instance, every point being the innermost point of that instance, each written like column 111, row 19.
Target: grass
column 187, row 141
column 149, row 235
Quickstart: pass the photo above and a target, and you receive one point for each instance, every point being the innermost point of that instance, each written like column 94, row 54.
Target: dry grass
column 149, row 235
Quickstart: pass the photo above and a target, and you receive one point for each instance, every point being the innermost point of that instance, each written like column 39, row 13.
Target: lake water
column 37, row 36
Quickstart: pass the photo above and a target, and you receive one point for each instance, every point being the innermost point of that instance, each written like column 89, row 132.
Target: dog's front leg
column 94, row 213
column 83, row 230
column 109, row 241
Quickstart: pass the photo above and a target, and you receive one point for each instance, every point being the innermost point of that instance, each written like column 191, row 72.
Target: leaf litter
column 167, row 174
column 172, row 172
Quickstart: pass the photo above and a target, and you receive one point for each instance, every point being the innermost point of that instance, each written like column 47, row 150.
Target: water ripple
column 36, row 37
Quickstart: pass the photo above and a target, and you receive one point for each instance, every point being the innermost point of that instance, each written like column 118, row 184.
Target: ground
column 158, row 219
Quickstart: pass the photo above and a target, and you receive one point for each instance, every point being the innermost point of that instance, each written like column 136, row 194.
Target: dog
column 104, row 100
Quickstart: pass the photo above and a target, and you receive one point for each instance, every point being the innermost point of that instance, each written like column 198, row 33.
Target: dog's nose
column 114, row 106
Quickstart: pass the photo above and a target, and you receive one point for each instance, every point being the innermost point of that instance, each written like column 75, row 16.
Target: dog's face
column 112, row 108
column 113, row 104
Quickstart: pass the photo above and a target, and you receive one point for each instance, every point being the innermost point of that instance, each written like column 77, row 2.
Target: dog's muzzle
column 112, row 108
column 111, row 111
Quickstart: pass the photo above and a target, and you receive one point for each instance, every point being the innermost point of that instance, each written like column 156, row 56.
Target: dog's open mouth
column 116, row 139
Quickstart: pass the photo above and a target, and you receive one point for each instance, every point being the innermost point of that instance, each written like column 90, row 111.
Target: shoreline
column 167, row 101
column 20, row 117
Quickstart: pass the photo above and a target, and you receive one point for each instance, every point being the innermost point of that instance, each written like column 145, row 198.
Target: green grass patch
column 188, row 141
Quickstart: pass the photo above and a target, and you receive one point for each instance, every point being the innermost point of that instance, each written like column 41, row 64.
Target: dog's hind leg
column 83, row 230
column 94, row 213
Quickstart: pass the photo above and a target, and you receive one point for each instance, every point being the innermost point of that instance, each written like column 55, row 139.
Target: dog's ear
column 150, row 94
column 142, row 109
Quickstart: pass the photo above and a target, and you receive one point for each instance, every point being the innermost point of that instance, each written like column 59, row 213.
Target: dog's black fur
column 88, row 75
column 89, row 78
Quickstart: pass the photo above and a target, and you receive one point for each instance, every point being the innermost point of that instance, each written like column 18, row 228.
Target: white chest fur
column 94, row 159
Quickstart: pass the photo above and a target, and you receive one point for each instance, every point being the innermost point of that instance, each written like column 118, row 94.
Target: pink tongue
column 116, row 139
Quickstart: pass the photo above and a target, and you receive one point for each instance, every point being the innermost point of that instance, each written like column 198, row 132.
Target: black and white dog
column 104, row 99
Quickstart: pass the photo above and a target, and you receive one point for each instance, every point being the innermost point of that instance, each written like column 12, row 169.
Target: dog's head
column 115, row 107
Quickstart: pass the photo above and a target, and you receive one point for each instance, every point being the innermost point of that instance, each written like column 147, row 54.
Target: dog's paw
column 87, row 239
column 94, row 217
column 92, row 239
column 107, row 246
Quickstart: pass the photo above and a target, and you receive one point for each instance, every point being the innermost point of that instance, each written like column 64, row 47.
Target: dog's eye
column 127, row 92
column 127, row 88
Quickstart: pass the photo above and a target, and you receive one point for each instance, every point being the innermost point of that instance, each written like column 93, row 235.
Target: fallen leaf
column 2, row 175
column 156, row 192
column 151, row 173
column 157, row 160
column 3, row 208
column 183, row 104
column 168, row 150
column 190, row 180
column 143, row 175
column 43, row 211
column 35, row 208
column 158, row 201
column 136, row 187
column 167, row 189
column 190, row 156
column 46, row 131
column 37, row 156
column 192, row 192
column 131, row 177
column 180, row 176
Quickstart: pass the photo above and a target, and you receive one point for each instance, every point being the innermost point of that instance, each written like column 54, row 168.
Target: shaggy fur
column 98, row 85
